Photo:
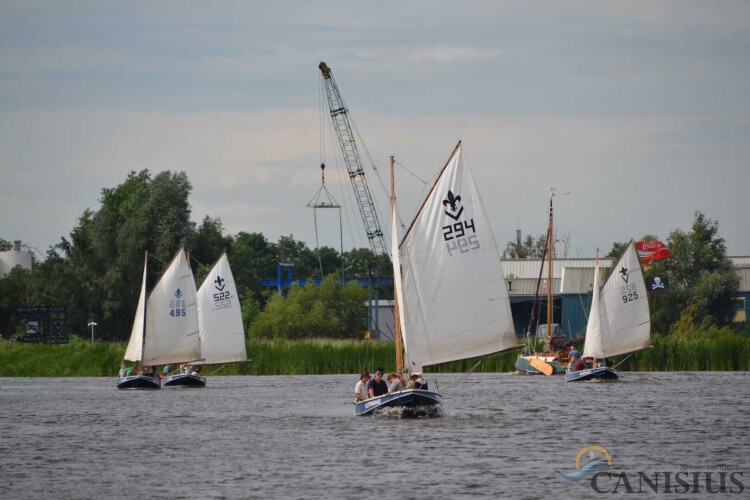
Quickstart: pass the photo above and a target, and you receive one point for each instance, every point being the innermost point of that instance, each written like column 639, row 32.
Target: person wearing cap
column 575, row 364
column 416, row 381
column 377, row 386
column 360, row 390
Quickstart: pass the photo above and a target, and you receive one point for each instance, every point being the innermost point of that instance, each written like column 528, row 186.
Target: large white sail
column 455, row 302
column 222, row 336
column 134, row 351
column 593, row 345
column 625, row 323
column 172, row 317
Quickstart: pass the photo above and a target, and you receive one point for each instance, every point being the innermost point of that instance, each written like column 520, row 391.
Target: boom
column 340, row 120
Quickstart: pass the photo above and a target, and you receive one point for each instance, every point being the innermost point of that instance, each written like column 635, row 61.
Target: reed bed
column 325, row 356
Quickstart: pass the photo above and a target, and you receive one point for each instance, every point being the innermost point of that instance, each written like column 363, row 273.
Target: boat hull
column 184, row 380
column 411, row 401
column 139, row 382
column 599, row 373
column 523, row 365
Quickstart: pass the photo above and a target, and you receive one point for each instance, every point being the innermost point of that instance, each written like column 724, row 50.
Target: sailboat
column 619, row 321
column 451, row 301
column 552, row 360
column 220, row 330
column 165, row 329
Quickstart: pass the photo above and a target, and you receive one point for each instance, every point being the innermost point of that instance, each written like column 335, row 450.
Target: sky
column 641, row 110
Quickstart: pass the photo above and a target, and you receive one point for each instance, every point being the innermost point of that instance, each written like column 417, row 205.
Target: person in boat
column 377, row 386
column 360, row 390
column 395, row 383
column 575, row 364
column 124, row 370
column 148, row 371
column 165, row 370
column 416, row 381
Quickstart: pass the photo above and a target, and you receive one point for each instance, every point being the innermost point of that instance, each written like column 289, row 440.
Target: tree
column 206, row 244
column 531, row 248
column 700, row 273
column 328, row 310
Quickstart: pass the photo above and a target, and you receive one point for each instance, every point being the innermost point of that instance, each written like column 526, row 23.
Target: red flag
column 651, row 250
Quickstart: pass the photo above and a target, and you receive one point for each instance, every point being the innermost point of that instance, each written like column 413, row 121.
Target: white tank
column 14, row 257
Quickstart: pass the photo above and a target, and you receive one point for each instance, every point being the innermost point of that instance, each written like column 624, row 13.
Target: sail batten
column 455, row 303
column 619, row 322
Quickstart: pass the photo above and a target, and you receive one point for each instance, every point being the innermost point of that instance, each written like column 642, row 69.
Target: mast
column 399, row 356
column 548, row 345
column 145, row 307
column 596, row 266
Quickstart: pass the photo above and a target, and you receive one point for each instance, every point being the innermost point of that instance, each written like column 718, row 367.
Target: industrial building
column 18, row 255
column 572, row 284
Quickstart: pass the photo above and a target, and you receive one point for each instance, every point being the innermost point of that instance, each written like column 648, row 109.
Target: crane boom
column 340, row 120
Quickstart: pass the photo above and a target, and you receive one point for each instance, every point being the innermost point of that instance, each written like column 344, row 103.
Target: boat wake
column 409, row 412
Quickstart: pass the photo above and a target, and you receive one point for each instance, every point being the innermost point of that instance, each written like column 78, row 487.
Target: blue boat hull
column 410, row 401
column 184, row 380
column 139, row 382
column 599, row 373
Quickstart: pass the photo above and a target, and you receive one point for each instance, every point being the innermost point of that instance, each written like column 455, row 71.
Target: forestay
column 222, row 337
column 172, row 317
column 455, row 302
column 624, row 323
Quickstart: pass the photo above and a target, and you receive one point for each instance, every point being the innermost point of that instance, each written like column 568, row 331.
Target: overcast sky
column 640, row 109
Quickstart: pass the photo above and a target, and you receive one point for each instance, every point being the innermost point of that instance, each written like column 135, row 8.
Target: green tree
column 531, row 248
column 699, row 274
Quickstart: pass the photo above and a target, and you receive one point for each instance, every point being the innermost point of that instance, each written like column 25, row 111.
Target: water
column 501, row 436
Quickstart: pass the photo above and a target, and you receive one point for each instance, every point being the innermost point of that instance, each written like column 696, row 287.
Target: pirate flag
column 657, row 283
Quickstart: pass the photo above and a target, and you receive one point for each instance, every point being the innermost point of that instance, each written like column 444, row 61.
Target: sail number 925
column 460, row 236
column 628, row 293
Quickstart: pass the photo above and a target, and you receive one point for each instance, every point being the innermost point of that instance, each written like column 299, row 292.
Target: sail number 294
column 460, row 237
column 629, row 293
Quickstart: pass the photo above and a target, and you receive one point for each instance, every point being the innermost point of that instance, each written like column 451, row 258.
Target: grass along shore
column 324, row 356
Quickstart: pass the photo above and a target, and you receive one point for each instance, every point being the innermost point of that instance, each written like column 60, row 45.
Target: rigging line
column 157, row 258
column 216, row 370
column 464, row 376
column 621, row 362
column 410, row 172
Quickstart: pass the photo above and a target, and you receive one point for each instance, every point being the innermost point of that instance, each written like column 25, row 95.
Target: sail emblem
column 178, row 293
column 219, row 283
column 624, row 273
column 453, row 202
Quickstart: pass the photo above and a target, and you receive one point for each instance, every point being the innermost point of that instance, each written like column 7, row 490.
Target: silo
column 16, row 256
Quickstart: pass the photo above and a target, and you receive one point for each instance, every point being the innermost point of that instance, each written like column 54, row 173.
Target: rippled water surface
column 501, row 436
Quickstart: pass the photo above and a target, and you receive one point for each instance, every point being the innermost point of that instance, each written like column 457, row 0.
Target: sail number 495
column 458, row 238
column 629, row 293
column 177, row 308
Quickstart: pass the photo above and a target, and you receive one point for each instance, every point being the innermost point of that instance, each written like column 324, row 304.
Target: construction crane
column 340, row 119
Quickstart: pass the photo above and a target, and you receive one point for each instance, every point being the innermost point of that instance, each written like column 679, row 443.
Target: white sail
column 134, row 351
column 413, row 362
column 455, row 302
column 222, row 336
column 625, row 323
column 172, row 317
column 593, row 345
